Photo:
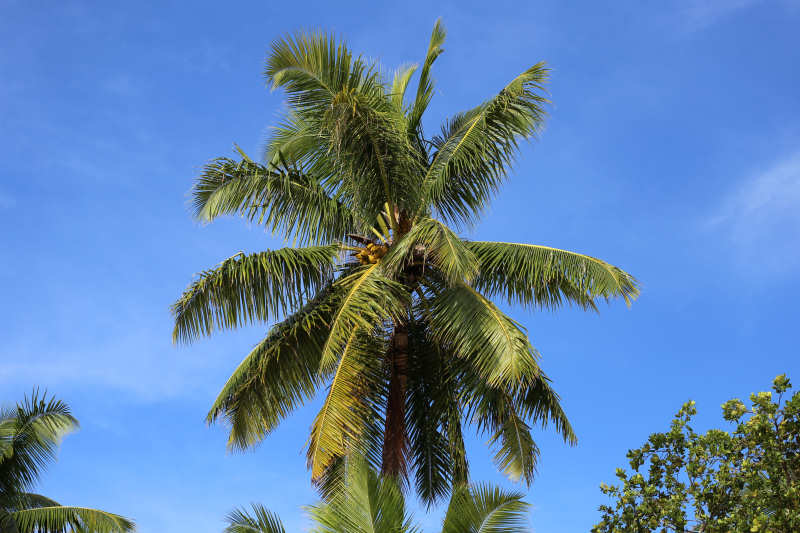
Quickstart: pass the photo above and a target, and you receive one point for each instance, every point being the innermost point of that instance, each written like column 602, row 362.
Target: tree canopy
column 740, row 481
column 380, row 304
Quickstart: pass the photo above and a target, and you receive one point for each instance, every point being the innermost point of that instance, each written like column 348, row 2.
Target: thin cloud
column 760, row 218
column 700, row 14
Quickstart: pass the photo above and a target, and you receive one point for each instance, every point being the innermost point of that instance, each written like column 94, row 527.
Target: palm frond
column 477, row 148
column 366, row 503
column 26, row 500
column 478, row 331
column 506, row 414
column 368, row 298
column 58, row 519
column 545, row 277
column 347, row 412
column 425, row 87
column 430, row 401
column 486, row 509
column 277, row 376
column 346, row 101
column 284, row 199
column 399, row 85
column 539, row 403
column 30, row 434
column 248, row 288
column 430, row 241
column 256, row 520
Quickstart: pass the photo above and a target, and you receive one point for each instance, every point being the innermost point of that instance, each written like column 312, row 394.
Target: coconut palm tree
column 368, row 503
column 29, row 437
column 379, row 299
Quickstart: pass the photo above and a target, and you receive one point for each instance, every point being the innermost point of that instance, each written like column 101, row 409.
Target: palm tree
column 379, row 299
column 29, row 437
column 369, row 503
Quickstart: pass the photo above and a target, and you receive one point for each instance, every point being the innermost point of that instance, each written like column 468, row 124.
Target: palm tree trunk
column 395, row 440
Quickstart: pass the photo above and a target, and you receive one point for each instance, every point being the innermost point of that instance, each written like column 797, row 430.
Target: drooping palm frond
column 506, row 414
column 479, row 332
column 278, row 375
column 432, row 391
column 26, row 500
column 255, row 287
column 285, row 200
column 486, row 509
column 539, row 403
column 476, row 148
column 517, row 454
column 30, row 435
column 368, row 298
column 349, row 408
column 59, row 519
column 430, row 241
column 257, row 520
column 541, row 276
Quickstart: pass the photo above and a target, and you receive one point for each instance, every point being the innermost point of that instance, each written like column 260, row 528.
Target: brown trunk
column 395, row 441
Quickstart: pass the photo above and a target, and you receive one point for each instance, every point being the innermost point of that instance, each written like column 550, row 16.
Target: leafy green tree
column 747, row 480
column 383, row 302
column 368, row 503
column 29, row 436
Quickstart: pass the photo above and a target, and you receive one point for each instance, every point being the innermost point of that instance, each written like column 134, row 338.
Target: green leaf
column 480, row 333
column 60, row 518
column 541, row 276
column 248, row 288
column 257, row 520
column 476, row 148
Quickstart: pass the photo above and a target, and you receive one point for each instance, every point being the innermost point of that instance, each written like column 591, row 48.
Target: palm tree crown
column 368, row 503
column 383, row 302
column 29, row 436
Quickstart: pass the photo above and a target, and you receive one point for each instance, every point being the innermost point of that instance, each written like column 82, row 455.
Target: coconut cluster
column 371, row 253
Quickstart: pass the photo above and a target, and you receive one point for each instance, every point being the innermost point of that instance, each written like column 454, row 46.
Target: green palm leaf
column 486, row 509
column 477, row 147
column 285, row 200
column 255, row 287
column 479, row 332
column 368, row 299
column 259, row 520
column 399, row 85
column 366, row 503
column 29, row 437
column 426, row 86
column 347, row 411
column 277, row 376
column 542, row 276
column 59, row 518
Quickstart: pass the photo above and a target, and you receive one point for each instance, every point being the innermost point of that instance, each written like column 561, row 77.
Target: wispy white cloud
column 699, row 14
column 760, row 217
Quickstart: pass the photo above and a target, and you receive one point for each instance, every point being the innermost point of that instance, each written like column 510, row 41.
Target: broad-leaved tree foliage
column 741, row 481
column 29, row 436
column 380, row 303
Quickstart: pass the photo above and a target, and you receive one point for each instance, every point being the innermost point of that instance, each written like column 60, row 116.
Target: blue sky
column 672, row 151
